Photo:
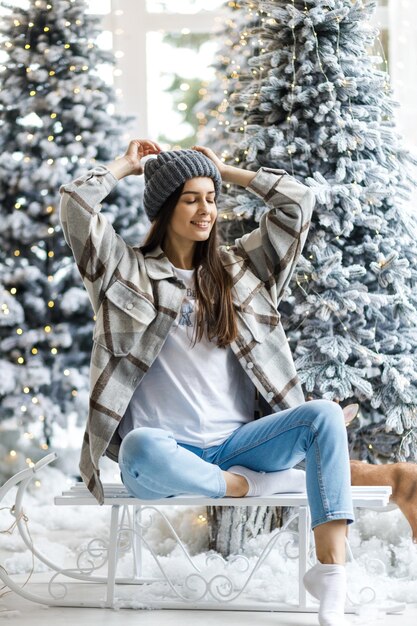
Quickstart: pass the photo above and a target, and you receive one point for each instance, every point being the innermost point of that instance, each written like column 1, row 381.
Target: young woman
column 187, row 330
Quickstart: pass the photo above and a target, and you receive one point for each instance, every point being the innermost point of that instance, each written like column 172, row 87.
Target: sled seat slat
column 117, row 494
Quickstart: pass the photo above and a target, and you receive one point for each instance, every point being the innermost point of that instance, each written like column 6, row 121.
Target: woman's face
column 195, row 211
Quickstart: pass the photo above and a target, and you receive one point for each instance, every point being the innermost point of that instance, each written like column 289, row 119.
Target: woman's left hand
column 222, row 167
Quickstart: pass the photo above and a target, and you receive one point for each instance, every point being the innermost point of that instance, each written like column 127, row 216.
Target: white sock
column 267, row 483
column 327, row 583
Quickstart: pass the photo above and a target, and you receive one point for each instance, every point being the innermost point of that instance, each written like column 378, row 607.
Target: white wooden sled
column 94, row 580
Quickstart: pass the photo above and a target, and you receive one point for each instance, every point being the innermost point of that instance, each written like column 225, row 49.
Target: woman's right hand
column 137, row 149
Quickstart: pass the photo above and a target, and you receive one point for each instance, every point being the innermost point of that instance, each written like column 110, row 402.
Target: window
column 161, row 47
column 178, row 70
column 99, row 7
column 181, row 6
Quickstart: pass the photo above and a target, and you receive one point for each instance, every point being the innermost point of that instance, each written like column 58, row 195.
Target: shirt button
column 129, row 305
column 249, row 365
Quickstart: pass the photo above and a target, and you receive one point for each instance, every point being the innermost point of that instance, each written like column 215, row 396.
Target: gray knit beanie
column 170, row 169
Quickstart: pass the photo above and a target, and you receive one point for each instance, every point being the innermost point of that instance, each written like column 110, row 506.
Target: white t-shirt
column 200, row 393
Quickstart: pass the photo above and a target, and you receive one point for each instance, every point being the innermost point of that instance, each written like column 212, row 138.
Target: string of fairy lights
column 258, row 75
column 303, row 279
column 50, row 209
column 223, row 107
column 374, row 355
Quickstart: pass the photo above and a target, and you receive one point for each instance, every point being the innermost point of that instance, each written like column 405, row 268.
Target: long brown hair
column 215, row 311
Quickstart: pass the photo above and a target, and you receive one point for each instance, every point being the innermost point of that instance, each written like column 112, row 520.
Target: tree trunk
column 230, row 527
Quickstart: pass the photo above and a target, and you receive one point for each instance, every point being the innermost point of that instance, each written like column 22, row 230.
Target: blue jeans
column 154, row 465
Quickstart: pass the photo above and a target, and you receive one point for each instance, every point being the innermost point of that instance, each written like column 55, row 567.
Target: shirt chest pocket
column 122, row 319
column 259, row 318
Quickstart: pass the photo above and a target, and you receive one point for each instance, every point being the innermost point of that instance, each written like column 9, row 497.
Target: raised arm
column 273, row 249
column 96, row 247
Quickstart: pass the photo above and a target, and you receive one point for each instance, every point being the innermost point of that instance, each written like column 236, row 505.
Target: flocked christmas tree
column 57, row 121
column 186, row 91
column 315, row 103
column 321, row 109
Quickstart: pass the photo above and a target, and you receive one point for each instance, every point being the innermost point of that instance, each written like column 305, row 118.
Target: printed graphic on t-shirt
column 186, row 310
column 186, row 319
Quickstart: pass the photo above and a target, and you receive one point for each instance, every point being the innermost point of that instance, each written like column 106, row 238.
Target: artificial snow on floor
column 384, row 556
